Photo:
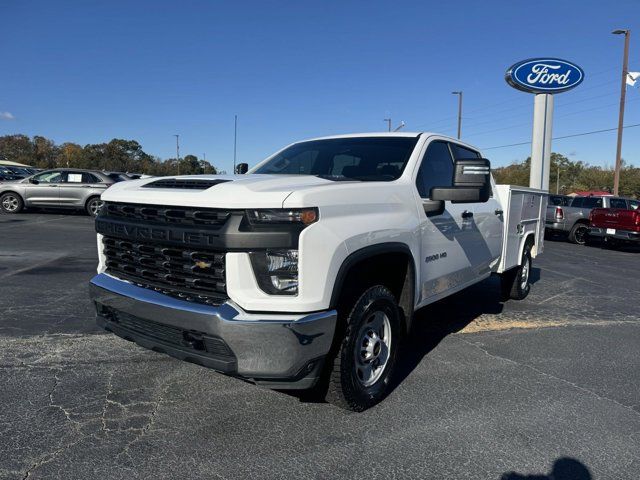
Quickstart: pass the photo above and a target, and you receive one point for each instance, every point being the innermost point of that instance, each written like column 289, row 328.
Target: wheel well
column 390, row 265
column 89, row 199
column 583, row 221
column 11, row 191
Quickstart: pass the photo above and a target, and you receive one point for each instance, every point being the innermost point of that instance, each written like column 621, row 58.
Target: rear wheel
column 11, row 203
column 93, row 206
column 579, row 233
column 516, row 282
column 365, row 360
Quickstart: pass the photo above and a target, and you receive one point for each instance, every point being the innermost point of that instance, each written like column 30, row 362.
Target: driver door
column 44, row 189
column 447, row 237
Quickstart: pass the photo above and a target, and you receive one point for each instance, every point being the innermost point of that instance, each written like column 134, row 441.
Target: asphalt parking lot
column 486, row 391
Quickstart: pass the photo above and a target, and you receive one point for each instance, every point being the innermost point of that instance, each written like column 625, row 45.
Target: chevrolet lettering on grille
column 170, row 235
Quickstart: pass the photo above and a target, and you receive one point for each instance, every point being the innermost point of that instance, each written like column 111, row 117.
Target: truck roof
column 390, row 134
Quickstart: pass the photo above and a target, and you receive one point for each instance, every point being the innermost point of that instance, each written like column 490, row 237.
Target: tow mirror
column 242, row 168
column 471, row 182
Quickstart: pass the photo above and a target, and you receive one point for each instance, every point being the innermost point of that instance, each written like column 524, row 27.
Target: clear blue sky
column 89, row 71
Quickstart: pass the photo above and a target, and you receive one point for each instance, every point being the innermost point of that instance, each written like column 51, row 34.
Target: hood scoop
column 184, row 183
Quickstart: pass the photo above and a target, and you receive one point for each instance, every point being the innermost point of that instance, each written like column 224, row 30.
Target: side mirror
column 242, row 168
column 34, row 181
column 471, row 182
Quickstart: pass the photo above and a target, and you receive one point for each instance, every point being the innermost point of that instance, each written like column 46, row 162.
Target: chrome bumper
column 279, row 350
column 626, row 235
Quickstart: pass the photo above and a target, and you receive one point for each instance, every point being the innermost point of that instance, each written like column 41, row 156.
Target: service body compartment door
column 524, row 210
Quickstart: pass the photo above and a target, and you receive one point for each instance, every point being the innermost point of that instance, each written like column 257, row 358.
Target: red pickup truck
column 616, row 223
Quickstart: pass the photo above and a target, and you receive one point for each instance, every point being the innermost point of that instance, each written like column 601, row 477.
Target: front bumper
column 278, row 350
column 625, row 235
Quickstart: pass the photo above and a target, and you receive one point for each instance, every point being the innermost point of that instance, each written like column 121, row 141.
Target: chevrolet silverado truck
column 621, row 222
column 306, row 271
column 573, row 219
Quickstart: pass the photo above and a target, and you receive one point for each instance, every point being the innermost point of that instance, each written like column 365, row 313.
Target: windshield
column 365, row 158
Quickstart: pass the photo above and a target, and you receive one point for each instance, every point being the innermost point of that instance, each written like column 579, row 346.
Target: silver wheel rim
column 10, row 203
column 524, row 277
column 94, row 207
column 372, row 348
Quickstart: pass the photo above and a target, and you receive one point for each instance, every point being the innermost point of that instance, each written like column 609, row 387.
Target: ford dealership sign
column 544, row 75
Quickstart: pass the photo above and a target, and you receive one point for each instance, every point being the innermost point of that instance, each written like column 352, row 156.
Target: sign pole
column 541, row 141
column 544, row 77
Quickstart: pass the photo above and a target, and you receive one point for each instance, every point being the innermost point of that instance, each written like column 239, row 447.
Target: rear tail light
column 636, row 216
column 559, row 213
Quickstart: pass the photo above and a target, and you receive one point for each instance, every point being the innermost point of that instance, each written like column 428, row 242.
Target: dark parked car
column 559, row 200
column 62, row 187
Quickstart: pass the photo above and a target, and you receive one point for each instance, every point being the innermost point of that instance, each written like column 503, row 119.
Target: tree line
column 117, row 155
column 128, row 156
column 575, row 176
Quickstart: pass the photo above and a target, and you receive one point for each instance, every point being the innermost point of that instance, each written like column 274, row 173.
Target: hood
column 226, row 191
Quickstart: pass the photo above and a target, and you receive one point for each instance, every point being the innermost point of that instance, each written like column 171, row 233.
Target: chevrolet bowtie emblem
column 202, row 264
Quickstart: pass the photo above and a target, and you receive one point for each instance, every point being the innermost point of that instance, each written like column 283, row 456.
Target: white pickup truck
column 306, row 272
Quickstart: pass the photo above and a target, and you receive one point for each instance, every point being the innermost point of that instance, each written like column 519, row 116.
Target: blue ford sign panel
column 544, row 75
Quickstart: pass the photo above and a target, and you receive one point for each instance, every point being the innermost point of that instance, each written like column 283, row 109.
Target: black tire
column 516, row 282
column 11, row 202
column 346, row 386
column 93, row 205
column 579, row 233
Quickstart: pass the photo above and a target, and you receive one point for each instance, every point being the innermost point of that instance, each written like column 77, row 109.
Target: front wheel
column 93, row 206
column 364, row 363
column 11, row 203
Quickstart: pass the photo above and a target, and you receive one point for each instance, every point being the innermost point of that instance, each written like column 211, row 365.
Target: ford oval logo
column 544, row 75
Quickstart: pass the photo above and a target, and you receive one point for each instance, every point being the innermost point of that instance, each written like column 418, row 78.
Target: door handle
column 498, row 212
column 467, row 214
column 54, row 186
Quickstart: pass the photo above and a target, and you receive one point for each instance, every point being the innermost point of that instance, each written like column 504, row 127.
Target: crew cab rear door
column 449, row 242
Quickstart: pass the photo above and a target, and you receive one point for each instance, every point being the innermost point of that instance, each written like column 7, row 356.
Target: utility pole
column 388, row 120
column 459, row 112
column 178, row 152
column 623, row 91
column 235, row 141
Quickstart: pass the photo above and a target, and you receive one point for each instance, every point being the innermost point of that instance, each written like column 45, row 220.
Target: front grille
column 187, row 339
column 184, row 183
column 184, row 273
column 188, row 216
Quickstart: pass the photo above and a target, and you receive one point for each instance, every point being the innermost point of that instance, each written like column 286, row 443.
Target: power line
column 565, row 136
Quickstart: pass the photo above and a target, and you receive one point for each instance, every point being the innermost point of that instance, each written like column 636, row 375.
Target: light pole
column 623, row 91
column 459, row 112
column 178, row 152
column 388, row 120
column 235, row 141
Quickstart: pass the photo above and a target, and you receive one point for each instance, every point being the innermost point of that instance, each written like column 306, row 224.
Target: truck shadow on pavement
column 564, row 468
column 434, row 322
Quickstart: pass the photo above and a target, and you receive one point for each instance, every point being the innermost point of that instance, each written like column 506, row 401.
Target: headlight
column 305, row 216
column 276, row 271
